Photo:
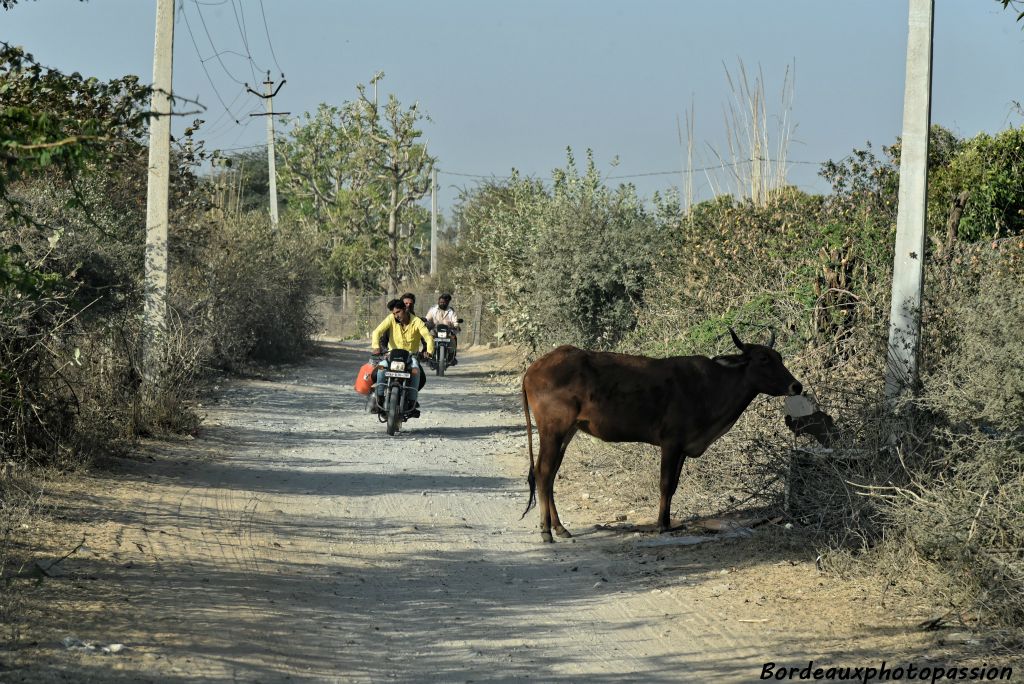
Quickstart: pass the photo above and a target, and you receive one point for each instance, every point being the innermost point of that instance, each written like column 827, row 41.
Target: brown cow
column 682, row 404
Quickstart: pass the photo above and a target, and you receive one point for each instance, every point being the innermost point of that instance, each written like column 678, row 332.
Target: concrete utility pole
column 908, row 264
column 433, row 221
column 268, row 85
column 155, row 269
column 268, row 97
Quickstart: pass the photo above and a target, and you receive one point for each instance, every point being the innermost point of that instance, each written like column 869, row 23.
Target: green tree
column 390, row 166
column 316, row 169
column 987, row 171
column 355, row 172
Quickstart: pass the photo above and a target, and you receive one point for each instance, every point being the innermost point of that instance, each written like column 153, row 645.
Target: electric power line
column 240, row 23
column 715, row 167
column 202, row 63
column 213, row 46
column 260, row 146
column 269, row 42
column 242, row 127
column 239, row 15
column 215, row 126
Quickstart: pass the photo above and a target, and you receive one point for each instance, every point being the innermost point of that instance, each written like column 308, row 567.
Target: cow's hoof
column 562, row 532
column 546, row 538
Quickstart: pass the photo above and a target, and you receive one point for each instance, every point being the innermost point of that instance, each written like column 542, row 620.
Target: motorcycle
column 395, row 407
column 444, row 351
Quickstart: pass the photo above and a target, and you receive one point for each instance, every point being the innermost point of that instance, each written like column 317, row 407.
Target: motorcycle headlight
column 398, row 365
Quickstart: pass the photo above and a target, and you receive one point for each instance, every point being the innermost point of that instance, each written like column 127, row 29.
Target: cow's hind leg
column 556, row 524
column 547, row 466
column 672, row 460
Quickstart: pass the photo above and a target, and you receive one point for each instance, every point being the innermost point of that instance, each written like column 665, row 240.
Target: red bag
column 364, row 380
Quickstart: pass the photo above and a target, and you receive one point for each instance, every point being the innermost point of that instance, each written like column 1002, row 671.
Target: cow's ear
column 732, row 360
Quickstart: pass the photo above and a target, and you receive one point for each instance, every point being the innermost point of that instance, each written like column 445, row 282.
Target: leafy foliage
column 54, row 124
column 72, row 230
column 567, row 265
column 1017, row 6
column 989, row 168
column 355, row 172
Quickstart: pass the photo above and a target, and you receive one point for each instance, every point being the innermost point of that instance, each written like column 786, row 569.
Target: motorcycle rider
column 404, row 332
column 443, row 314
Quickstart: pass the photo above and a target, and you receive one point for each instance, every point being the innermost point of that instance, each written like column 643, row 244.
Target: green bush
column 566, row 265
column 961, row 506
column 989, row 168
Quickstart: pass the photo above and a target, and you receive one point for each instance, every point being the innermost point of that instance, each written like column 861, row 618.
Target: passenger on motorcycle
column 404, row 332
column 409, row 299
column 443, row 314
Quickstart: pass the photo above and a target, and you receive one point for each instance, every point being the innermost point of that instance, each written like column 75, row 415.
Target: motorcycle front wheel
column 442, row 360
column 394, row 409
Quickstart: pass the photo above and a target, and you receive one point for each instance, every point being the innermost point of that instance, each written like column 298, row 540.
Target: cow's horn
column 771, row 339
column 736, row 340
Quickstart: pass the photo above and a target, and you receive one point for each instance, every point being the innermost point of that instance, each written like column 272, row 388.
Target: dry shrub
column 116, row 406
column 820, row 285
column 36, row 401
column 70, row 387
column 19, row 503
column 70, row 367
column 961, row 509
column 935, row 490
column 257, row 284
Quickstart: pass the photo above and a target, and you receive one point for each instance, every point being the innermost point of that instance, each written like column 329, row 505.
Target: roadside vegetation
column 576, row 260
column 73, row 173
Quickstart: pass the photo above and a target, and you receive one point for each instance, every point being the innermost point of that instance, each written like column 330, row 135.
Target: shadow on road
column 261, row 614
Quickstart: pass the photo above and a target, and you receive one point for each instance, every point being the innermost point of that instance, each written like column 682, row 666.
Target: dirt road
column 293, row 540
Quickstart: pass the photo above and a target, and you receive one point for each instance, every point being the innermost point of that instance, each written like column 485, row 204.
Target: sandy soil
column 292, row 539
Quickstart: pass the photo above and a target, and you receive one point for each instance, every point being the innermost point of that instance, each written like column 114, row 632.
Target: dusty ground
column 293, row 540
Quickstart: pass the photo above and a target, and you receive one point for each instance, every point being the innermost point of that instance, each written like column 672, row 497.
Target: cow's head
column 763, row 367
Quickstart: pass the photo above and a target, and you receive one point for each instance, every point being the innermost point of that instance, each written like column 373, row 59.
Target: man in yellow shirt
column 405, row 331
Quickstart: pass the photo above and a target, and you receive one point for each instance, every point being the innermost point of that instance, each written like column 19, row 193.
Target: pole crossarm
column 267, row 96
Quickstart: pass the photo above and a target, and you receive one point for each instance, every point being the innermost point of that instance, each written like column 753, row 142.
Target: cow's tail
column 530, row 479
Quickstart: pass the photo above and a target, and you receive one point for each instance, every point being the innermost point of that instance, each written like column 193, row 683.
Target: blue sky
column 511, row 84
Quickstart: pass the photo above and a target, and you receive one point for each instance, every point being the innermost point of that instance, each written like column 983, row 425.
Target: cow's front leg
column 672, row 459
